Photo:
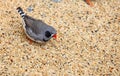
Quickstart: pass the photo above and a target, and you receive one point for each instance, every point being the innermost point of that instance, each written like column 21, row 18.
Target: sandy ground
column 88, row 41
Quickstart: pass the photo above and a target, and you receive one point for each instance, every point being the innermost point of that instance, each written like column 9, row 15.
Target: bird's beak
column 55, row 36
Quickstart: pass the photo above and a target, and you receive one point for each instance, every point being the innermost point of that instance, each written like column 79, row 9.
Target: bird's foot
column 30, row 41
column 89, row 3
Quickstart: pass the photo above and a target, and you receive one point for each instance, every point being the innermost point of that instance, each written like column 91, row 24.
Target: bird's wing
column 33, row 36
column 34, row 24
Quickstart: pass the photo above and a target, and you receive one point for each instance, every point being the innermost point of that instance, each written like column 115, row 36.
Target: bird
column 36, row 29
column 89, row 2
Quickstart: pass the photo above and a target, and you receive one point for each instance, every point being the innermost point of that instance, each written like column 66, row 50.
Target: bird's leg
column 89, row 2
column 30, row 41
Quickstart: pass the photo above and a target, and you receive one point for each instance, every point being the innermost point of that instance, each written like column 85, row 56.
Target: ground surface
column 88, row 39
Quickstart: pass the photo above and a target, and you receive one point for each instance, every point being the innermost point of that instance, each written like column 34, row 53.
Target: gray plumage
column 36, row 29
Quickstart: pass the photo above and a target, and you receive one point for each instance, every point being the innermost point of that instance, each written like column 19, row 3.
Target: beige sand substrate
column 88, row 41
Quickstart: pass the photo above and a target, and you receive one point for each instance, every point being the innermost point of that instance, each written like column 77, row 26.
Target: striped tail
column 20, row 11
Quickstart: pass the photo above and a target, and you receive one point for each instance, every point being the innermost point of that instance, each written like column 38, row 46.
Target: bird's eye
column 47, row 34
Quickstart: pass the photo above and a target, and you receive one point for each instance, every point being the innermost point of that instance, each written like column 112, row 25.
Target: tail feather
column 20, row 11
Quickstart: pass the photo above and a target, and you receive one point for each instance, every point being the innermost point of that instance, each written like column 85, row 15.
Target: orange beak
column 55, row 36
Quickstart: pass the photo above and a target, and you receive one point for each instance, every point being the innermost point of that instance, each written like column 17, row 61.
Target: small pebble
column 56, row 1
column 30, row 9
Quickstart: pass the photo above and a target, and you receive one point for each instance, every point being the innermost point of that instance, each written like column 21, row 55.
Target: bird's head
column 50, row 33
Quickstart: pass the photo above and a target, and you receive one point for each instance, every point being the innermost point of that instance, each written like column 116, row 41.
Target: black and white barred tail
column 20, row 11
